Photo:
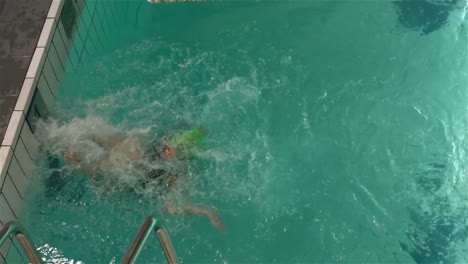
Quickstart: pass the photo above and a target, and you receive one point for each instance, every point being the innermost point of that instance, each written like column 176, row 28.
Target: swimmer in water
column 121, row 151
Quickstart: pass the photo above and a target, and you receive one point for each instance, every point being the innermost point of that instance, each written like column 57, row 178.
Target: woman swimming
column 120, row 151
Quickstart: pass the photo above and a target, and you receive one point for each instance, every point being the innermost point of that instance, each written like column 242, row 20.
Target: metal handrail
column 150, row 224
column 142, row 235
column 14, row 228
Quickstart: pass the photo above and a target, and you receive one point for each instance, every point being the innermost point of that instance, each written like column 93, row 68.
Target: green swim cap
column 184, row 141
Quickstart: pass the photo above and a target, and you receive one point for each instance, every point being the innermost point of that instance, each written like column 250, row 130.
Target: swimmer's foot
column 215, row 221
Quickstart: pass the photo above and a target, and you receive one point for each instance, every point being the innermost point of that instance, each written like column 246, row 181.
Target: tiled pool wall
column 73, row 31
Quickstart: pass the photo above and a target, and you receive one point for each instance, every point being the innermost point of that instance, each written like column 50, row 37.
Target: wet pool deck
column 21, row 23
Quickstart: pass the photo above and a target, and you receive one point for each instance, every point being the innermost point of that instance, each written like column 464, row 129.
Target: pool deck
column 21, row 22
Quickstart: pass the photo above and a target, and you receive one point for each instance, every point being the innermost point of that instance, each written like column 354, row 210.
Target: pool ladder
column 150, row 224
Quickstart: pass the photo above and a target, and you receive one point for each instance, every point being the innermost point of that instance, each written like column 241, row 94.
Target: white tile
column 99, row 22
column 6, row 215
column 54, row 60
column 18, row 177
column 30, row 142
column 59, row 47
column 78, row 45
column 36, row 63
column 63, row 35
column 13, row 255
column 106, row 15
column 5, row 157
column 55, row 8
column 50, row 75
column 90, row 5
column 12, row 196
column 85, row 18
column 70, row 47
column 94, row 37
column 90, row 50
column 13, row 129
column 4, row 249
column 79, row 4
column 46, row 33
column 24, row 160
column 116, row 9
column 26, row 95
column 72, row 59
column 45, row 92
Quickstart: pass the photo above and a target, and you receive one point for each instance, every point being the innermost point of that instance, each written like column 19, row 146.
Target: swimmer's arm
column 214, row 219
column 188, row 209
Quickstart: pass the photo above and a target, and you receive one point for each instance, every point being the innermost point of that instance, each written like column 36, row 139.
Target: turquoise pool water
column 337, row 133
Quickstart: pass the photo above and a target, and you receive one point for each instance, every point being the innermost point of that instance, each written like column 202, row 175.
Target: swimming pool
column 336, row 133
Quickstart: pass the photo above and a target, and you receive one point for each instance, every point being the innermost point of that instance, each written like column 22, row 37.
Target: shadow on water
column 56, row 184
column 433, row 232
column 425, row 16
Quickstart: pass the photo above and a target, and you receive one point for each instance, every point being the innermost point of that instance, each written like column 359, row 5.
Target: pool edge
column 20, row 147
